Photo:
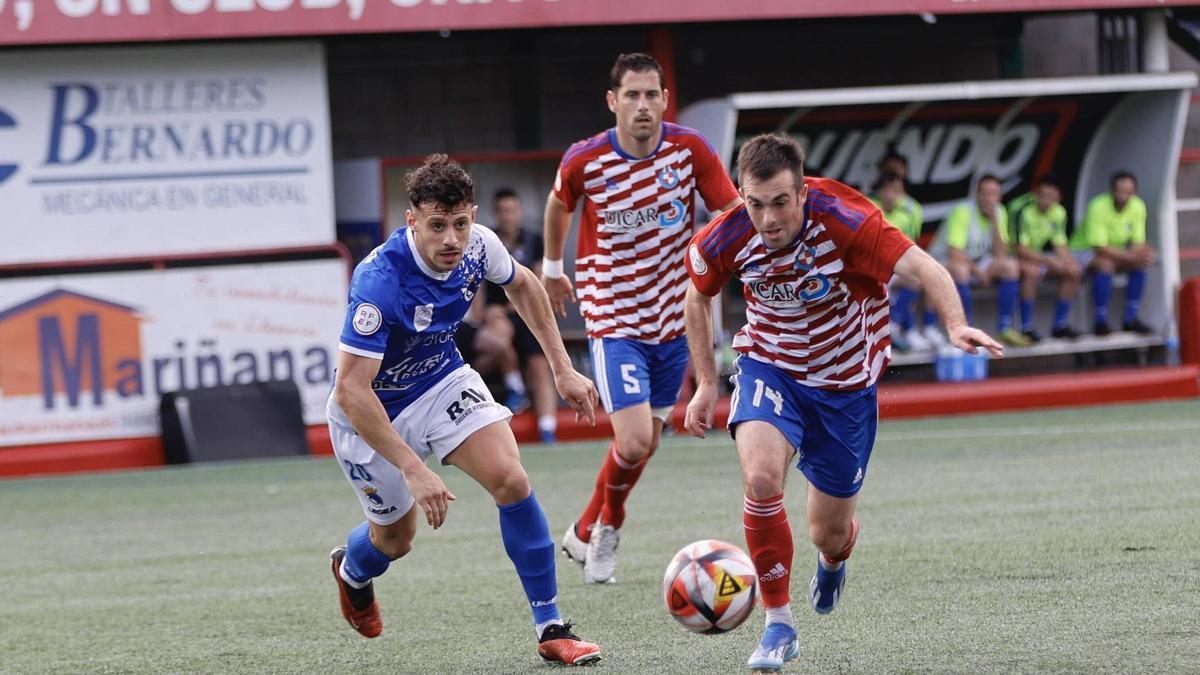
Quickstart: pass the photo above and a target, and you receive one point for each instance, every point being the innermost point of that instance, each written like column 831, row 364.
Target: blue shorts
column 629, row 372
column 832, row 431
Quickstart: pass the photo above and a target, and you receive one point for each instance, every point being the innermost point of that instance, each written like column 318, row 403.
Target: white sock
column 548, row 423
column 541, row 627
column 346, row 577
column 781, row 614
column 514, row 382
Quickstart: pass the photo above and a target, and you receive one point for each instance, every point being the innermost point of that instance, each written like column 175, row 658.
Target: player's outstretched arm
column 697, row 312
column 558, row 286
column 916, row 266
column 531, row 303
column 369, row 418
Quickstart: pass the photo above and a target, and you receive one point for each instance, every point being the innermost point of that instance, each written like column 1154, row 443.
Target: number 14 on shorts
column 761, row 391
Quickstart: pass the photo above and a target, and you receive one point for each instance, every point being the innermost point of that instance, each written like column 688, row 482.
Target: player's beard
column 643, row 128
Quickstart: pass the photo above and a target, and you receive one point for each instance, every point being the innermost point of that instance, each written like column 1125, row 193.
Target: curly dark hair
column 441, row 181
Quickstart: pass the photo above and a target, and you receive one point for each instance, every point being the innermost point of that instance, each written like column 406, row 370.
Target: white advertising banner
column 122, row 152
column 87, row 356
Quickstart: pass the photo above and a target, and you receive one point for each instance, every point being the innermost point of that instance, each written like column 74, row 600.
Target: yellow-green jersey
column 966, row 229
column 1104, row 225
column 906, row 216
column 1037, row 230
column 1020, row 202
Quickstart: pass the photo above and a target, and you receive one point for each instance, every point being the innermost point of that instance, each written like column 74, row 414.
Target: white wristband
column 552, row 269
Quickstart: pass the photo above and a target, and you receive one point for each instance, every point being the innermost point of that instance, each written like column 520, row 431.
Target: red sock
column 769, row 538
column 848, row 549
column 591, row 513
column 620, row 477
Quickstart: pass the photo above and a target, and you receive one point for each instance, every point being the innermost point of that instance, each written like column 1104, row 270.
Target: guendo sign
column 75, row 21
column 120, row 152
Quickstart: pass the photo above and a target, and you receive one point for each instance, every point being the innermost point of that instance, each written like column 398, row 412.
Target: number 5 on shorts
column 632, row 386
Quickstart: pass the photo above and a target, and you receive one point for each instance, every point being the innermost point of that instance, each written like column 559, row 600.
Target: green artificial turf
column 1055, row 541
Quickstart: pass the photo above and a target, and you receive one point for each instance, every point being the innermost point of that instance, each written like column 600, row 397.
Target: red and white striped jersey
column 818, row 308
column 637, row 219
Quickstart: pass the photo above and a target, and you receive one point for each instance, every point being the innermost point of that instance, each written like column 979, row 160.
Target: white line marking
column 1063, row 430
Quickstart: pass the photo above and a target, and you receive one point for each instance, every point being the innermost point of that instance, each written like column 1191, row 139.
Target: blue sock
column 902, row 308
column 1006, row 302
column 363, row 561
column 1062, row 309
column 1026, row 314
column 527, row 541
column 1101, row 292
column 1133, row 294
column 930, row 318
column 964, row 294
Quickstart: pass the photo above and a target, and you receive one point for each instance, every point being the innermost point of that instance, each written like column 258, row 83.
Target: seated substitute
column 1042, row 250
column 485, row 341
column 526, row 248
column 1111, row 240
column 904, row 214
column 929, row 336
column 973, row 245
column 403, row 394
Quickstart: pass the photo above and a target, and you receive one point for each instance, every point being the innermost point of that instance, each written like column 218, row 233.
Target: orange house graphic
column 63, row 342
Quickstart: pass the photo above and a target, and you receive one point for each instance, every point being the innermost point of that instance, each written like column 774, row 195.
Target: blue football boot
column 778, row 645
column 826, row 587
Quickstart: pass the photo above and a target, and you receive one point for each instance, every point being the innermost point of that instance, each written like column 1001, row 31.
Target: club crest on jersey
column 668, row 177
column 806, row 257
column 367, row 319
column 422, row 317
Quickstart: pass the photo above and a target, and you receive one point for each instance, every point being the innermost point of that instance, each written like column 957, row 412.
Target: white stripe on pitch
column 951, row 434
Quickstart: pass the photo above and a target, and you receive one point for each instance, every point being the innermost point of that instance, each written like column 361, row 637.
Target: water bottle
column 1172, row 343
column 948, row 364
column 976, row 364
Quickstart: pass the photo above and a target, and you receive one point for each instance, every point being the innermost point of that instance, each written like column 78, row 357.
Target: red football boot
column 358, row 604
column 560, row 645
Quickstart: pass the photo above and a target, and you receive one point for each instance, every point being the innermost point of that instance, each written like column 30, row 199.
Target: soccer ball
column 710, row 586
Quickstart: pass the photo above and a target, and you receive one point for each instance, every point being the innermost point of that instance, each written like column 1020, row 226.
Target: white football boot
column 573, row 547
column 601, row 555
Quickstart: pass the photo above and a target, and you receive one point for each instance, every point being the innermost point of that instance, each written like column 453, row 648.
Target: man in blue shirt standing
column 403, row 394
